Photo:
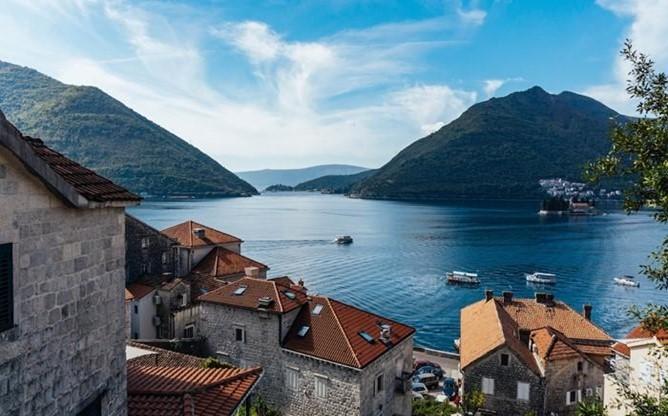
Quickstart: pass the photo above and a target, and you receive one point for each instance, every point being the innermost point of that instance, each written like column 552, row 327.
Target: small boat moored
column 343, row 239
column 626, row 281
column 463, row 278
column 541, row 278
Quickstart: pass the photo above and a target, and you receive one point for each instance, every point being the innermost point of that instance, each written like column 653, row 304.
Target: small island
column 279, row 188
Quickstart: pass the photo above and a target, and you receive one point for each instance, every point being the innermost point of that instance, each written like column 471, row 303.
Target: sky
column 286, row 84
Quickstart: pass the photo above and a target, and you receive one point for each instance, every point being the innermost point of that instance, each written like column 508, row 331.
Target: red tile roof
column 163, row 358
column 86, row 182
column 256, row 289
column 622, row 349
column 640, row 332
column 187, row 391
column 221, row 262
column 128, row 295
column 184, row 234
column 138, row 290
column 334, row 333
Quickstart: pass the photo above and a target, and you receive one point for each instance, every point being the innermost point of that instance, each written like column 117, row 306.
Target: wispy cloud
column 491, row 86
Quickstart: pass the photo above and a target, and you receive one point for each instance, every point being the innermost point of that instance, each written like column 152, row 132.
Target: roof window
column 240, row 290
column 289, row 294
column 317, row 309
column 368, row 338
column 303, row 330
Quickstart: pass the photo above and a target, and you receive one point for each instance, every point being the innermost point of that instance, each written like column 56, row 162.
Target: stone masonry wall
column 563, row 376
column 504, row 401
column 68, row 345
column 156, row 258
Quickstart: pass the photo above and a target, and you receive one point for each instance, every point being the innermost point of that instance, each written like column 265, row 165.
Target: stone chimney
column 489, row 294
column 541, row 297
column 586, row 311
column 385, row 333
column 253, row 272
column 507, row 297
column 301, row 282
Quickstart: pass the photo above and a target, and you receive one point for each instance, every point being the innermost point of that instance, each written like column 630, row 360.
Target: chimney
column 489, row 294
column 301, row 282
column 253, row 272
column 507, row 297
column 199, row 232
column 541, row 297
column 586, row 311
column 385, row 333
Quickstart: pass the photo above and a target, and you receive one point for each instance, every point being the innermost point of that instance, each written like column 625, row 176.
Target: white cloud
column 648, row 31
column 491, row 86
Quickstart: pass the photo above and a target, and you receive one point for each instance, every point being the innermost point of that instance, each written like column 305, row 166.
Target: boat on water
column 626, row 281
column 343, row 239
column 463, row 278
column 541, row 278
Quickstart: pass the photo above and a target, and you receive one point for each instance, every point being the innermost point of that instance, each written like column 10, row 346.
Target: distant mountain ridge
column 335, row 184
column 101, row 133
column 264, row 178
column 499, row 148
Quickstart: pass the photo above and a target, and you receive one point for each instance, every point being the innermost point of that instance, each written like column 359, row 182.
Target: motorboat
column 626, row 281
column 343, row 239
column 541, row 278
column 463, row 278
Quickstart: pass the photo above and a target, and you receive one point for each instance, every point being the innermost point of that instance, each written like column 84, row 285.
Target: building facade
column 529, row 355
column 319, row 356
column 62, row 259
column 148, row 251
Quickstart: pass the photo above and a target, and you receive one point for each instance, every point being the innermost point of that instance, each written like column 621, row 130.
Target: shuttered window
column 6, row 288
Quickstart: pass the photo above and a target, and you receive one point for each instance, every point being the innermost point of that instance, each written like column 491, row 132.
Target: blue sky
column 294, row 83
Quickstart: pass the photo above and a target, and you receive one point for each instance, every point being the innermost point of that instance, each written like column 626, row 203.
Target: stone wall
column 68, row 343
column 504, row 401
column 142, row 319
column 563, row 376
column 148, row 252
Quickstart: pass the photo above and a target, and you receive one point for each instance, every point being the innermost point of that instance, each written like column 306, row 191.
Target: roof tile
column 184, row 234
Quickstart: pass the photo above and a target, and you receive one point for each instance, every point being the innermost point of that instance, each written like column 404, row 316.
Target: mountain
column 291, row 177
column 100, row 132
column 499, row 148
column 334, row 184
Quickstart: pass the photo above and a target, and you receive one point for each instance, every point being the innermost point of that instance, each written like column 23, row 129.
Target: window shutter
column 6, row 288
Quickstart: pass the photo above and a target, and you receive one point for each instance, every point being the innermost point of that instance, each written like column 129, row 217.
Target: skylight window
column 317, row 309
column 240, row 290
column 303, row 330
column 289, row 295
column 368, row 338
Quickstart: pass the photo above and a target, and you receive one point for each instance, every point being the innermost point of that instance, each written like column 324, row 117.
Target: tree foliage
column 591, row 408
column 430, row 407
column 639, row 154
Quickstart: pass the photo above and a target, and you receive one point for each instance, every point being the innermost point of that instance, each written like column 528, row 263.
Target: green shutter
column 6, row 288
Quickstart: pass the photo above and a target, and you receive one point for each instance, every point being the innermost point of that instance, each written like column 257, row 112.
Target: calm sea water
column 401, row 251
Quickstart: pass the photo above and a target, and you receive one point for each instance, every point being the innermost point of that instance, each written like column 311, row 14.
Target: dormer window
column 240, row 290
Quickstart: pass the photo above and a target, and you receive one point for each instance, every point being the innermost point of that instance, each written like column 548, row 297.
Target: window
column 289, row 295
column 240, row 290
column 589, row 392
column 145, row 242
column 292, row 378
column 580, row 365
column 368, row 338
column 189, row 331
column 320, row 387
column 6, row 287
column 303, row 331
column 135, row 335
column 93, row 409
column 599, row 391
column 165, row 258
column 523, row 391
column 317, row 309
column 378, row 384
column 136, row 308
column 239, row 334
column 488, row 386
column 571, row 397
column 505, row 360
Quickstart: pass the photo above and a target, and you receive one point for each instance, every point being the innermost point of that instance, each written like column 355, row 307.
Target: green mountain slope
column 334, row 184
column 499, row 148
column 261, row 179
column 100, row 132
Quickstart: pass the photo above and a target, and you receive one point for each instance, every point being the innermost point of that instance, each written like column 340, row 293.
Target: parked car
column 437, row 371
column 419, row 388
column 422, row 363
column 428, row 379
column 417, row 395
column 450, row 388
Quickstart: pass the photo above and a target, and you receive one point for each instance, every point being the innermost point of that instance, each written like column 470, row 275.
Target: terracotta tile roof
column 551, row 345
column 334, row 333
column 640, row 332
column 163, row 357
column 187, row 391
column 86, row 182
column 221, row 262
column 622, row 349
column 532, row 315
column 256, row 289
column 184, row 234
column 138, row 290
column 128, row 295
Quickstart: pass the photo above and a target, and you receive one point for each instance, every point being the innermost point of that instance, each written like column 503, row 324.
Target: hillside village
column 101, row 314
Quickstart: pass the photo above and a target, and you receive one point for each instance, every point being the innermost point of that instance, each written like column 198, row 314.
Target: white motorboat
column 541, row 278
column 343, row 239
column 626, row 281
column 463, row 278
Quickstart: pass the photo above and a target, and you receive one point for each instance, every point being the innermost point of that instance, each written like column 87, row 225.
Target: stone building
column 532, row 354
column 320, row 356
column 640, row 366
column 148, row 252
column 62, row 260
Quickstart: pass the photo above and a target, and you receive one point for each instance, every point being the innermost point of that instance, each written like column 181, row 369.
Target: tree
column 590, row 408
column 430, row 407
column 473, row 401
column 639, row 155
